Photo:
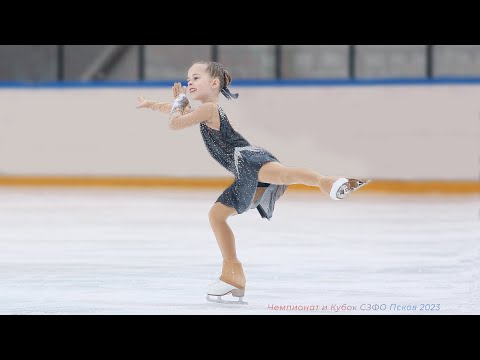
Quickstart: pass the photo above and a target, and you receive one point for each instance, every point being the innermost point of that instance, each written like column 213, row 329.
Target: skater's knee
column 213, row 215
column 220, row 213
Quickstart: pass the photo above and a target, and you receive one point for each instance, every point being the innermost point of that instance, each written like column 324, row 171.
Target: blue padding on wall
column 251, row 83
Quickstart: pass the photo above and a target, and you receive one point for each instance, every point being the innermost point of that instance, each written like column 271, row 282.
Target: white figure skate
column 344, row 187
column 220, row 288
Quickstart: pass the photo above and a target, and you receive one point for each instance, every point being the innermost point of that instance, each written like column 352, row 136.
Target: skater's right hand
column 144, row 103
column 148, row 104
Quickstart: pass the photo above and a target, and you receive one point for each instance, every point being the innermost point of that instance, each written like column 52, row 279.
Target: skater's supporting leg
column 232, row 271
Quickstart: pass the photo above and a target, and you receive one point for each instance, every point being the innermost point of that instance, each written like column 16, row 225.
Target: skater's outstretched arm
column 164, row 107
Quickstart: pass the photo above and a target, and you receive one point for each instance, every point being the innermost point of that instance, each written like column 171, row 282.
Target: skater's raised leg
column 334, row 186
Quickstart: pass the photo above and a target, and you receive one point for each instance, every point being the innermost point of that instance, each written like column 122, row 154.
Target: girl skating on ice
column 260, row 178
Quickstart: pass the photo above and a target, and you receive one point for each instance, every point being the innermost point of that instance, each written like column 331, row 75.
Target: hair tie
column 226, row 92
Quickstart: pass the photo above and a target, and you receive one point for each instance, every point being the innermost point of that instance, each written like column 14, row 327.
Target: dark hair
column 216, row 70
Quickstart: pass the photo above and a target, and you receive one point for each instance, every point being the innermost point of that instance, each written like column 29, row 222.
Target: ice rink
column 151, row 251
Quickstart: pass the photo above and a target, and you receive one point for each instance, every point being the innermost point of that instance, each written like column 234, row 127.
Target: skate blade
column 360, row 184
column 219, row 300
column 346, row 189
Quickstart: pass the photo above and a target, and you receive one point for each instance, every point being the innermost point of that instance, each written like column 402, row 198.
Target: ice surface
column 144, row 251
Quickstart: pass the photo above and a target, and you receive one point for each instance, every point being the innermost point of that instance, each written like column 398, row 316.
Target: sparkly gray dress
column 234, row 153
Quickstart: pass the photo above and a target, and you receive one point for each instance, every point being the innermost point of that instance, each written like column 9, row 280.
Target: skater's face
column 201, row 86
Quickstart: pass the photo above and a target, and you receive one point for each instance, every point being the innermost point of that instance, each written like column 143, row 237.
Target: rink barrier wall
column 403, row 131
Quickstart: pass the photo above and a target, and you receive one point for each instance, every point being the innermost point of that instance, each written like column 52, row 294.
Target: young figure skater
column 260, row 178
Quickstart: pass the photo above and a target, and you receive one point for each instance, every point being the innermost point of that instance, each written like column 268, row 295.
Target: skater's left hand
column 178, row 89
